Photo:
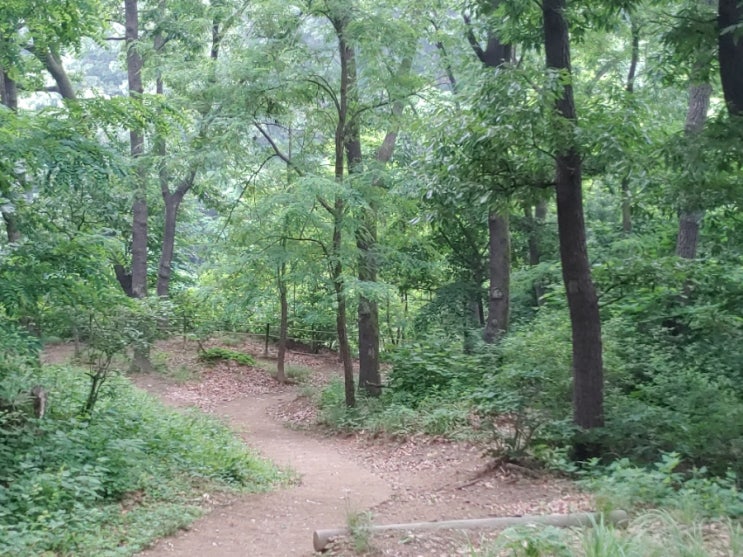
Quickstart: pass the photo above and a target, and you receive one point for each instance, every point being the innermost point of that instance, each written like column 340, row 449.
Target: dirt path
column 280, row 523
column 416, row 479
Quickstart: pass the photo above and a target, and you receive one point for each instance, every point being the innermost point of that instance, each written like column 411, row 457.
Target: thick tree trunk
column 688, row 234
column 730, row 14
column 588, row 379
column 690, row 218
column 500, row 271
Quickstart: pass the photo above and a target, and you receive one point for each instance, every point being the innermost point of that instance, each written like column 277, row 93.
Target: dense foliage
column 404, row 182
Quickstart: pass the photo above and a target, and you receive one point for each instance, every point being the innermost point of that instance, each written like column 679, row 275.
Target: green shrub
column 525, row 403
column 62, row 478
column 622, row 484
column 217, row 353
column 434, row 366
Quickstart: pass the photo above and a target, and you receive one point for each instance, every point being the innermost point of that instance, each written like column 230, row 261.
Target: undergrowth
column 107, row 483
column 217, row 353
column 386, row 416
column 652, row 534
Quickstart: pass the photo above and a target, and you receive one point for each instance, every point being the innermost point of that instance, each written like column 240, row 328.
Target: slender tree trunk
column 690, row 218
column 499, row 271
column 730, row 15
column 140, row 360
column 370, row 378
column 53, row 63
column 588, row 379
column 136, row 139
column 164, row 271
column 535, row 225
column 630, row 88
column 495, row 55
column 9, row 98
column 173, row 199
column 284, row 322
column 338, row 212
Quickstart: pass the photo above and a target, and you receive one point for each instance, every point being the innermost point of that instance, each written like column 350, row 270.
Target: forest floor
column 337, row 477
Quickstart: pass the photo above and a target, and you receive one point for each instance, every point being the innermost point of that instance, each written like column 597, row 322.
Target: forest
column 515, row 221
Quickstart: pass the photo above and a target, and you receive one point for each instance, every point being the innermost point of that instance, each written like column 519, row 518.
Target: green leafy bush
column 525, row 402
column 217, row 353
column 622, row 484
column 64, row 478
column 434, row 366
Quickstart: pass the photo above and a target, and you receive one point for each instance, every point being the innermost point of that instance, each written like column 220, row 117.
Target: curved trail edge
column 279, row 523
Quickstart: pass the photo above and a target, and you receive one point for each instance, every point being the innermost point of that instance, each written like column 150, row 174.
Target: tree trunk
column 136, row 139
column 730, row 14
column 582, row 300
column 172, row 203
column 690, row 218
column 630, row 88
column 495, row 55
column 141, row 358
column 53, row 63
column 626, row 207
column 535, row 223
column 500, row 271
column 344, row 347
column 338, row 210
column 283, row 323
column 9, row 98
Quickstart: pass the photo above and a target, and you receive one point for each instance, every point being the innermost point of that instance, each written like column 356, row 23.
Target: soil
column 394, row 481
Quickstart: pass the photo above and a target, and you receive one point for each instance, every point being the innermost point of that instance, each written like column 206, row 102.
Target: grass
column 652, row 534
column 109, row 483
column 359, row 526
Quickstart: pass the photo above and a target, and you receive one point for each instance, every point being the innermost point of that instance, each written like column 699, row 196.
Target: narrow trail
column 279, row 523
column 418, row 478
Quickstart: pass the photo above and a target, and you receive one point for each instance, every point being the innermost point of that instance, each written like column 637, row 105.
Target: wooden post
column 268, row 332
column 321, row 538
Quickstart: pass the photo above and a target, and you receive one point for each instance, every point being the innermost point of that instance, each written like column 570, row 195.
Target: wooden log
column 321, row 538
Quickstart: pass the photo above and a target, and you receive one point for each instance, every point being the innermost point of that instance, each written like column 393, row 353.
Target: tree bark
column 730, row 43
column 690, row 218
column 582, row 300
column 499, row 271
column 630, row 88
column 141, row 357
column 9, row 99
column 495, row 55
column 284, row 321
column 53, row 63
column 339, row 208
column 136, row 140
